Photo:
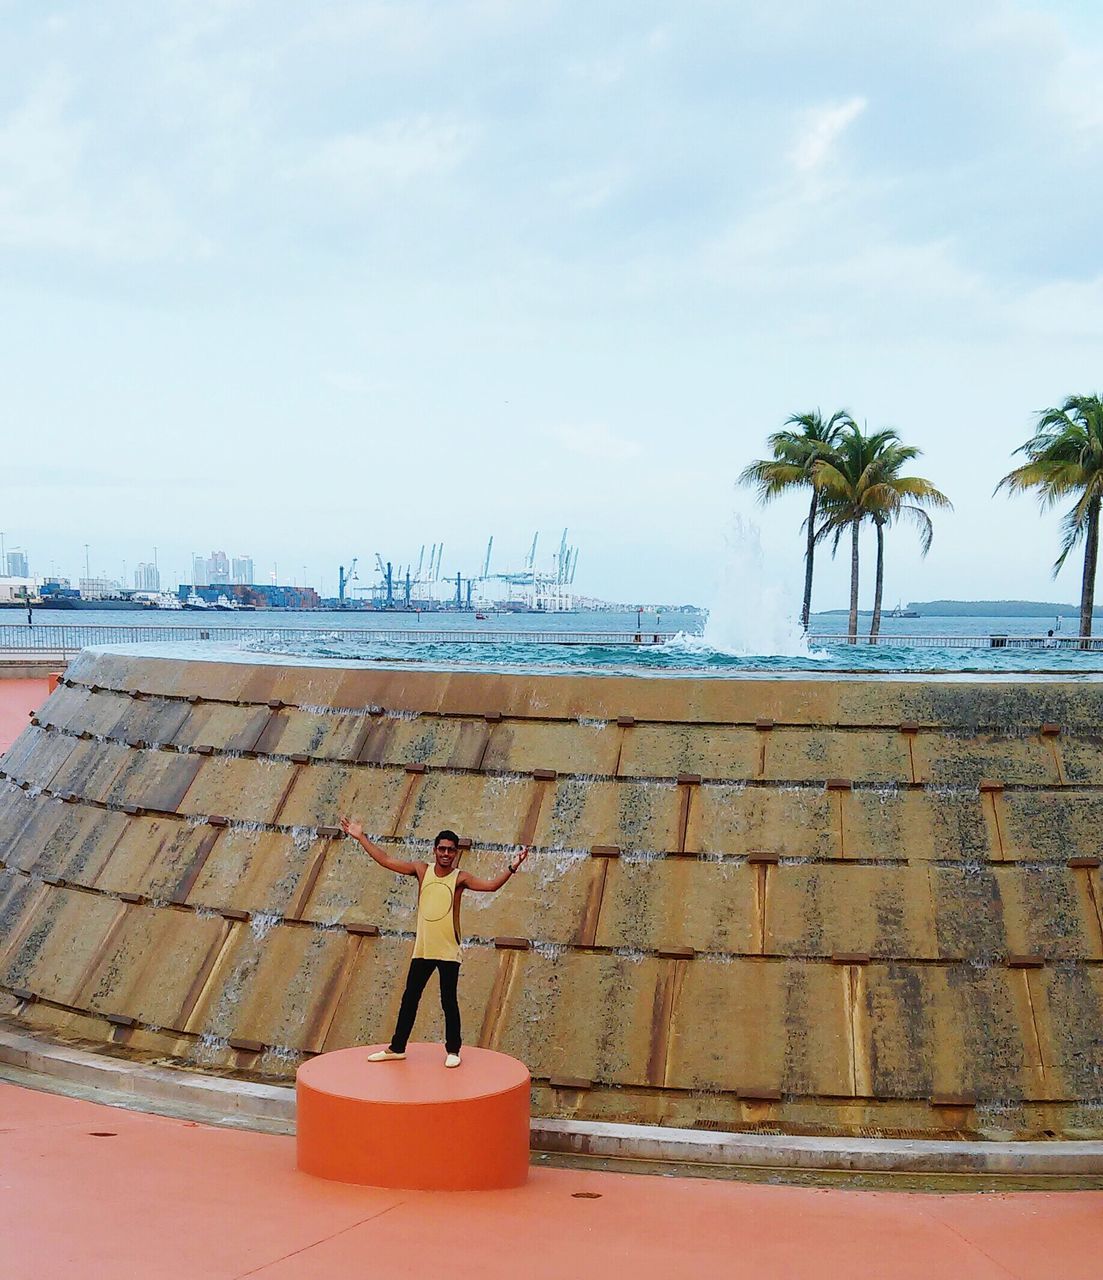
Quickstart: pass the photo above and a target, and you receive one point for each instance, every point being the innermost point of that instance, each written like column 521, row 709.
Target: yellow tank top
column 436, row 923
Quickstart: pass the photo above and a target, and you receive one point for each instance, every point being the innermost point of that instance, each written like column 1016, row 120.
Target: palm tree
column 1065, row 458
column 806, row 439
column 863, row 482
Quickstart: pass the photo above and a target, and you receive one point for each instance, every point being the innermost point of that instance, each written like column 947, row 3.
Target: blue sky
column 314, row 281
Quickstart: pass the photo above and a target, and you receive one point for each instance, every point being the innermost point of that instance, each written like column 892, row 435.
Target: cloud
column 597, row 442
column 1065, row 310
column 1075, row 94
column 598, row 73
column 658, row 38
column 53, row 194
column 712, row 222
column 389, row 155
column 353, row 384
column 581, row 192
column 820, row 130
column 1060, row 72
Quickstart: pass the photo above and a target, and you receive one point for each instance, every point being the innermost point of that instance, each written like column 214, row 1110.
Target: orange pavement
column 17, row 699
column 413, row 1124
column 170, row 1200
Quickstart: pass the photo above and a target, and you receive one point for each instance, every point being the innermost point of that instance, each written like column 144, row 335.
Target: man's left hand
column 518, row 858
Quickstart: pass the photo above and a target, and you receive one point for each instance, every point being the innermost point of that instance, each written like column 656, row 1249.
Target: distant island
column 986, row 609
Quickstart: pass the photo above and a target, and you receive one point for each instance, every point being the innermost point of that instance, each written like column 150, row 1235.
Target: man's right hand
column 352, row 828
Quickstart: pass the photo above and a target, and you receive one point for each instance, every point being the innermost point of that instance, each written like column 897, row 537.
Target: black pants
column 416, row 979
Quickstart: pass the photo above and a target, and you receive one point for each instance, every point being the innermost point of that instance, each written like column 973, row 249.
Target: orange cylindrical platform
column 414, row 1125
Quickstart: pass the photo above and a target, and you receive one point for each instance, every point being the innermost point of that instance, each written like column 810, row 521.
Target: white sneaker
column 453, row 1060
column 385, row 1055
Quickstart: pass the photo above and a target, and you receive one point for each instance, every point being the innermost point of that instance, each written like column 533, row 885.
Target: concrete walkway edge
column 59, row 1068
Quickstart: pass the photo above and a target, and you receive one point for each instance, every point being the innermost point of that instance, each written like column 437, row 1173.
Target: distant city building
column 17, row 564
column 199, row 571
column 98, row 588
column 147, row 578
column 218, row 568
column 242, row 569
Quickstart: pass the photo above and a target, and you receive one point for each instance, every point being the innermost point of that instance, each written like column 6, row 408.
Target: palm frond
column 922, row 522
column 1054, row 479
column 1064, row 457
column 830, row 479
column 921, row 490
column 1073, row 529
column 770, row 478
column 815, row 429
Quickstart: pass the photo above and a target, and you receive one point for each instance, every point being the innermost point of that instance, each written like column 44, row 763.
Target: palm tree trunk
column 852, row 625
column 875, row 625
column 1091, row 559
column 809, row 552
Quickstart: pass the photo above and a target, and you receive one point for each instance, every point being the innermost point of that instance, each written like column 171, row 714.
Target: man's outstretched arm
column 353, row 828
column 491, row 886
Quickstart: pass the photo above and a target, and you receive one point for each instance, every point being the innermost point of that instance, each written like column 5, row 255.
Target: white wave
column 753, row 613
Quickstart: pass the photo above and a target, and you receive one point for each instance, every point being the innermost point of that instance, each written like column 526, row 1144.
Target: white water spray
column 753, row 614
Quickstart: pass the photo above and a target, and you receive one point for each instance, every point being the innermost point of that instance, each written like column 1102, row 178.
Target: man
column 437, row 943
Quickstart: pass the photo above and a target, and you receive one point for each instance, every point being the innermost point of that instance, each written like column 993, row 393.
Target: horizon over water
column 704, row 647
column 752, row 626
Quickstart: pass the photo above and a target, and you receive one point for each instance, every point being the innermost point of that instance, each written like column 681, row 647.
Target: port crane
column 343, row 580
column 422, row 582
column 386, row 572
column 562, row 560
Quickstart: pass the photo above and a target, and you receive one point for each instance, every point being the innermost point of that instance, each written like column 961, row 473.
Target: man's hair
column 447, row 835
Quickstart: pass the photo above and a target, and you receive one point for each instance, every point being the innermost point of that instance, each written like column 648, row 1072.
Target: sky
column 311, row 282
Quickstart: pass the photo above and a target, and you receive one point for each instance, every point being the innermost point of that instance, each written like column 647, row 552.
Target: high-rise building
column 199, row 572
column 242, row 569
column 147, row 578
column 218, row 568
column 17, row 564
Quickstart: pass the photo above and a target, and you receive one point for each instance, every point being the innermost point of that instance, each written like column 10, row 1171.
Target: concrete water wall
column 821, row 906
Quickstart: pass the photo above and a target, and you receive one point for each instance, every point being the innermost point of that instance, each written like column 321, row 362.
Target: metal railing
column 991, row 641
column 66, row 640
column 71, row 639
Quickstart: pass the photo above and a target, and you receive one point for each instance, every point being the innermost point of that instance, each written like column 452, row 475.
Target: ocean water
column 733, row 642
column 684, row 655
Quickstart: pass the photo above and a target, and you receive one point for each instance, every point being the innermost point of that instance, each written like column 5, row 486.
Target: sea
column 669, row 643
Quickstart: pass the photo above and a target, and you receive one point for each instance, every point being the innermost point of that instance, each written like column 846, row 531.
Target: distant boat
column 165, row 600
column 901, row 612
column 195, row 601
column 480, row 617
column 78, row 602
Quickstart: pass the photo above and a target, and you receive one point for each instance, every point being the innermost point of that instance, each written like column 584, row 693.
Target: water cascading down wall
column 817, row 906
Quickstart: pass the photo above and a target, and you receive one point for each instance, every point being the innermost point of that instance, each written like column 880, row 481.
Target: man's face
column 446, row 854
